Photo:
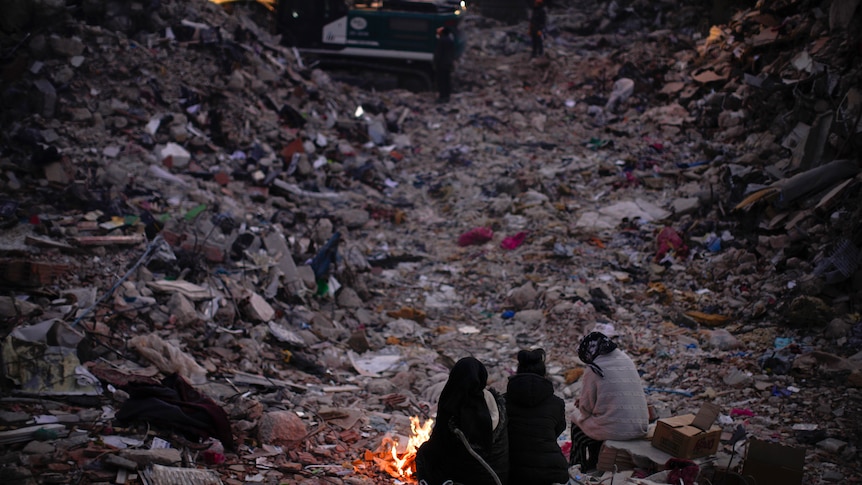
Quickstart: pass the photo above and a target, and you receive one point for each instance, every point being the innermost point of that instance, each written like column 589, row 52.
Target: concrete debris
column 183, row 196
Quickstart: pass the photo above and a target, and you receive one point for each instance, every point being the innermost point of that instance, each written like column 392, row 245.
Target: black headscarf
column 532, row 362
column 462, row 401
column 592, row 346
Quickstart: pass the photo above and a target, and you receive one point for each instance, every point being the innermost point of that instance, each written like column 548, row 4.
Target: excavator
column 387, row 42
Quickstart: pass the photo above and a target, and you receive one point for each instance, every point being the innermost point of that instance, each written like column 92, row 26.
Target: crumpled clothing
column 779, row 361
column 177, row 405
column 684, row 470
column 669, row 240
column 476, row 236
column 741, row 412
column 513, row 242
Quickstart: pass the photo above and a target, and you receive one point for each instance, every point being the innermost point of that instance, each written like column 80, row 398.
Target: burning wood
column 395, row 401
column 398, row 460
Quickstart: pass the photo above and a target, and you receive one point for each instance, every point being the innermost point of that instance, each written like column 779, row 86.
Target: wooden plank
column 828, row 200
column 26, row 434
column 256, row 380
column 189, row 290
column 122, row 476
column 44, row 242
column 110, row 240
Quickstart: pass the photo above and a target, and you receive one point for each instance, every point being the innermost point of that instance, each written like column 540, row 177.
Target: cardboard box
column 774, row 463
column 677, row 436
column 612, row 459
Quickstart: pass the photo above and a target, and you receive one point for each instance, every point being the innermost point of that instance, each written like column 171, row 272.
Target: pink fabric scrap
column 670, row 240
column 475, row 236
column 213, row 457
column 682, row 471
column 512, row 242
column 741, row 412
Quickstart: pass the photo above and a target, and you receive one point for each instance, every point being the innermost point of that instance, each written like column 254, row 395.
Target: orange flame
column 402, row 465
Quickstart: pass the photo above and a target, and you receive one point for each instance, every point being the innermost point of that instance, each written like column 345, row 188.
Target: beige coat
column 613, row 407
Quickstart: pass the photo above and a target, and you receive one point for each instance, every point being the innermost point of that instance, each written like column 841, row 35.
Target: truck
column 389, row 42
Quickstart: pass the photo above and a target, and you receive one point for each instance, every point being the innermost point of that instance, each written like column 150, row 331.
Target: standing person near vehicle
column 612, row 404
column 469, row 443
column 536, row 418
column 538, row 21
column 444, row 63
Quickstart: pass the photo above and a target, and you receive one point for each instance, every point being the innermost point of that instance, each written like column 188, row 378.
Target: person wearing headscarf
column 536, row 418
column 469, row 443
column 612, row 404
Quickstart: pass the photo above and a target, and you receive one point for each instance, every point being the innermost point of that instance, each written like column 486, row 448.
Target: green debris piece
column 596, row 143
column 195, row 212
column 322, row 287
column 43, row 434
column 131, row 220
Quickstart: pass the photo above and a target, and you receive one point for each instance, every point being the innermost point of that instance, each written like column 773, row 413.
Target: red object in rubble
column 682, row 471
column 512, row 242
column 479, row 235
column 670, row 240
column 213, row 457
column 748, row 413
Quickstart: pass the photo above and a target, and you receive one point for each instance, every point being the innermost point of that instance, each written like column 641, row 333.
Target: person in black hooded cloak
column 469, row 444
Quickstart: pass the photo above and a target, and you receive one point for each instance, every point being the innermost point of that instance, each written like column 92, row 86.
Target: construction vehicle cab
column 384, row 36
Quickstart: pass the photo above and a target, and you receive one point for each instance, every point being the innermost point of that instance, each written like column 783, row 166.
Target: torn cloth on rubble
column 177, row 405
column 682, row 471
column 326, row 257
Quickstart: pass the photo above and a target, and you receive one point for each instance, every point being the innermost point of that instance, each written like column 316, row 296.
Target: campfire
column 397, row 460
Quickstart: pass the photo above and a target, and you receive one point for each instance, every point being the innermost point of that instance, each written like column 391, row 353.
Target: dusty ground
column 275, row 161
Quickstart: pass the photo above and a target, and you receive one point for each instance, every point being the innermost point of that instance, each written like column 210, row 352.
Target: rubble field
column 220, row 265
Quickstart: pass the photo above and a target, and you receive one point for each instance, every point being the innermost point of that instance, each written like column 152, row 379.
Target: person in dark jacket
column 536, row 418
column 444, row 63
column 468, row 444
column 538, row 20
